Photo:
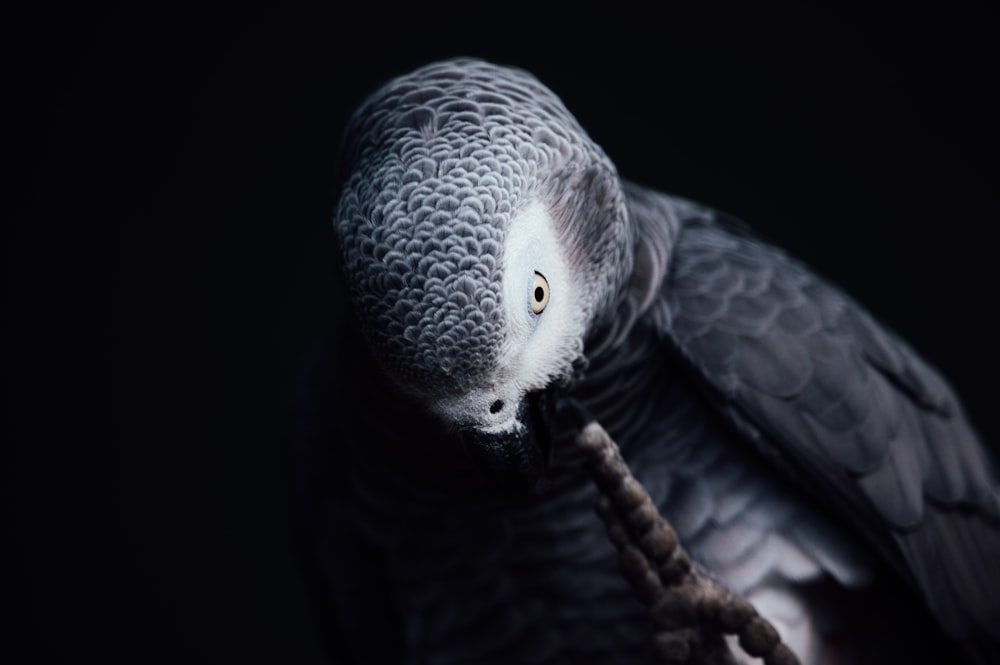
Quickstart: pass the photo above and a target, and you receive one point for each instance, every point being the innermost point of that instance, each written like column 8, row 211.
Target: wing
column 832, row 398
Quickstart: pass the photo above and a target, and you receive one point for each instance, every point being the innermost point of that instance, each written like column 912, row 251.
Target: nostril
column 496, row 406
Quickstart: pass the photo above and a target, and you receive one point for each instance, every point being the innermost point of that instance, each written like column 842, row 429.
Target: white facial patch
column 539, row 347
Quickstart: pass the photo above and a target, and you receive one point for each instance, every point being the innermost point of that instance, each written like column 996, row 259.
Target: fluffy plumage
column 438, row 163
column 804, row 454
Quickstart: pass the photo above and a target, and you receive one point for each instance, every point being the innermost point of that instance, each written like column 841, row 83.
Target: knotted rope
column 692, row 611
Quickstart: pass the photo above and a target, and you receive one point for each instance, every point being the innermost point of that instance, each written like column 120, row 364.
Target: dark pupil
column 539, row 293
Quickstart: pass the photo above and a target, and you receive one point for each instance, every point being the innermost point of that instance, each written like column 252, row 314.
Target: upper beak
column 515, row 461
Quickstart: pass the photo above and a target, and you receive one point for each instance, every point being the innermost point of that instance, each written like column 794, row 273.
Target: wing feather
column 835, row 400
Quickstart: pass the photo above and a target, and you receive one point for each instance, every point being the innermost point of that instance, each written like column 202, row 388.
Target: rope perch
column 692, row 611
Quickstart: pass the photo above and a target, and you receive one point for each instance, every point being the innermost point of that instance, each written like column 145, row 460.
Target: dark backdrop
column 169, row 265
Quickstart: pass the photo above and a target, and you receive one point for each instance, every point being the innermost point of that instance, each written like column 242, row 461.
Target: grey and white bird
column 502, row 279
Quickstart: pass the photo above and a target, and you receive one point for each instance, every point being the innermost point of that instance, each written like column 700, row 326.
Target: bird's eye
column 539, row 293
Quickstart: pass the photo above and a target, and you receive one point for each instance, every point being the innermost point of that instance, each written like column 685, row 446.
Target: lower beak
column 515, row 461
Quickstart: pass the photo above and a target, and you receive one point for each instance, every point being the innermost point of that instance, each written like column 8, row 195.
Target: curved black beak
column 516, row 461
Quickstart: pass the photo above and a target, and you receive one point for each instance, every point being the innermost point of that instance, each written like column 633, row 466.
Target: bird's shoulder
column 812, row 381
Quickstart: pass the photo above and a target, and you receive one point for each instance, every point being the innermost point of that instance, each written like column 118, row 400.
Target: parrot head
column 482, row 235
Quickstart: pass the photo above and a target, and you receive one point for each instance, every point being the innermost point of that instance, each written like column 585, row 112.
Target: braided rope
column 692, row 610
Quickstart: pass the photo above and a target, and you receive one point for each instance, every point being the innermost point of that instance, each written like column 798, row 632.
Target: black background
column 169, row 266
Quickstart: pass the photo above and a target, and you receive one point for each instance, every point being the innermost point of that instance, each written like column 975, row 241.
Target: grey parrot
column 505, row 286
